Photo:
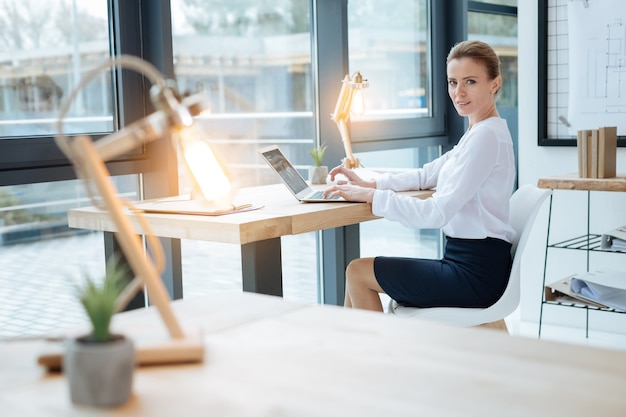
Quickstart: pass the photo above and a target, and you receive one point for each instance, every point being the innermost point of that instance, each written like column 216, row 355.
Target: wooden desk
column 268, row 357
column 259, row 231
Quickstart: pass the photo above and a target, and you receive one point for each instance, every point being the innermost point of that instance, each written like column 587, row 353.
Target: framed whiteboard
column 582, row 69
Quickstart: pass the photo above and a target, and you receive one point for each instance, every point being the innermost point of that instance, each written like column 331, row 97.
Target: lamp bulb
column 205, row 170
column 358, row 103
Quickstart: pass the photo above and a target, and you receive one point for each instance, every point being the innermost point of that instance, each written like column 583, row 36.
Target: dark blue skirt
column 472, row 273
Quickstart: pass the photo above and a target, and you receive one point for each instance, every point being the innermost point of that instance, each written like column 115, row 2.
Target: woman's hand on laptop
column 353, row 188
column 351, row 178
column 350, row 193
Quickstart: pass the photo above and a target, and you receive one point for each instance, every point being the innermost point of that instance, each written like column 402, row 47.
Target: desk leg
column 172, row 275
column 112, row 248
column 261, row 267
column 339, row 246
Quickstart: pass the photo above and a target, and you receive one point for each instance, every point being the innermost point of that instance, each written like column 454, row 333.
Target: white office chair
column 524, row 206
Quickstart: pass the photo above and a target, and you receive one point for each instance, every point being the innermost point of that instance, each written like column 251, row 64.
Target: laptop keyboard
column 320, row 195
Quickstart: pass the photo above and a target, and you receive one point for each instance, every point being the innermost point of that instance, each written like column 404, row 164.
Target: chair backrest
column 524, row 206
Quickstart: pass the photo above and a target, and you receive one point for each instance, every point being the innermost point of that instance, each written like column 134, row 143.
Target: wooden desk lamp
column 172, row 120
column 350, row 100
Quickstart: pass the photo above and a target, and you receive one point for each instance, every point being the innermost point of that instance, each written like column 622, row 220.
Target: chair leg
column 496, row 325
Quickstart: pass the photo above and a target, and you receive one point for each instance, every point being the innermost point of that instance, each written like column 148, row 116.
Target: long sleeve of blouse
column 473, row 183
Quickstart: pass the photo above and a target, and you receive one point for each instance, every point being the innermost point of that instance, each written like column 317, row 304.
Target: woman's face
column 470, row 90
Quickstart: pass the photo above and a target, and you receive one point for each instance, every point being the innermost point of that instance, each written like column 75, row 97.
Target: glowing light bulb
column 358, row 102
column 206, row 172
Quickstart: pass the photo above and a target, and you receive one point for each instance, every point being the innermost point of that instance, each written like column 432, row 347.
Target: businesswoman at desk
column 473, row 182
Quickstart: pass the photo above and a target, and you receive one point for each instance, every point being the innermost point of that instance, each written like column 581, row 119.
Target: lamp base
column 150, row 350
column 351, row 163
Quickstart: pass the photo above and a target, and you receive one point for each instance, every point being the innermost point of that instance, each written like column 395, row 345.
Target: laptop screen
column 283, row 167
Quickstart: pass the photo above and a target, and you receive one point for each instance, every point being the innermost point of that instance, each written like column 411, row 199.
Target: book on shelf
column 593, row 154
column 607, row 152
column 582, row 147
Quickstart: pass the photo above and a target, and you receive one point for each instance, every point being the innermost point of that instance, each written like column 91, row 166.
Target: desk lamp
column 350, row 100
column 173, row 120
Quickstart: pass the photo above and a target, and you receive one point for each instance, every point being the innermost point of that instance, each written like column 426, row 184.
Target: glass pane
column 253, row 59
column 389, row 44
column 41, row 258
column 46, row 48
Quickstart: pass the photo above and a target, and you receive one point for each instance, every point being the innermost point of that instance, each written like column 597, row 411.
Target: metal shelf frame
column 588, row 242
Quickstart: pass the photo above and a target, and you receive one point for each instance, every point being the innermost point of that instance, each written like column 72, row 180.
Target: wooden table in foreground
column 259, row 232
column 265, row 356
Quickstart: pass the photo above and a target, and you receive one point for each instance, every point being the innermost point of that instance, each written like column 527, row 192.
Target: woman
column 473, row 182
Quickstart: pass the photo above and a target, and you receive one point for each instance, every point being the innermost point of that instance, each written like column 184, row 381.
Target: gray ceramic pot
column 317, row 175
column 99, row 374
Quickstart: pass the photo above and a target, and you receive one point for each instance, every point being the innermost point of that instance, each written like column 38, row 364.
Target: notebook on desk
column 185, row 205
column 292, row 179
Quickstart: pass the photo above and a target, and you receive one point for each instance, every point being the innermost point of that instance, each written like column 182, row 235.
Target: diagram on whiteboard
column 597, row 65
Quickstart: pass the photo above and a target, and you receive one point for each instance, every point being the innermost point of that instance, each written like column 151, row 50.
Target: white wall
column 569, row 207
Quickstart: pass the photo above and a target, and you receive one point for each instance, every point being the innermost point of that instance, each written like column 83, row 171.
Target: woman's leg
column 362, row 289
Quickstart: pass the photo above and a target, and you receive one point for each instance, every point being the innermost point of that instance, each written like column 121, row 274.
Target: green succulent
column 318, row 154
column 101, row 301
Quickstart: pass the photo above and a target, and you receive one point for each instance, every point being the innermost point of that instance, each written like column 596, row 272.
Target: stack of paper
column 604, row 289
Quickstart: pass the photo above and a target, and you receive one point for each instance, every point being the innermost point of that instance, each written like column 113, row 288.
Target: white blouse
column 473, row 182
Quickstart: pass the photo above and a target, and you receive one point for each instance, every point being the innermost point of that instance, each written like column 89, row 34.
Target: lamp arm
column 342, row 108
column 340, row 116
column 349, row 161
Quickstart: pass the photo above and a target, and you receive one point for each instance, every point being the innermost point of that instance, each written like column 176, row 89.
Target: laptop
column 292, row 179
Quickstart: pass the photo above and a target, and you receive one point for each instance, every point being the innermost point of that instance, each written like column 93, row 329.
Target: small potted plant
column 318, row 172
column 99, row 365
